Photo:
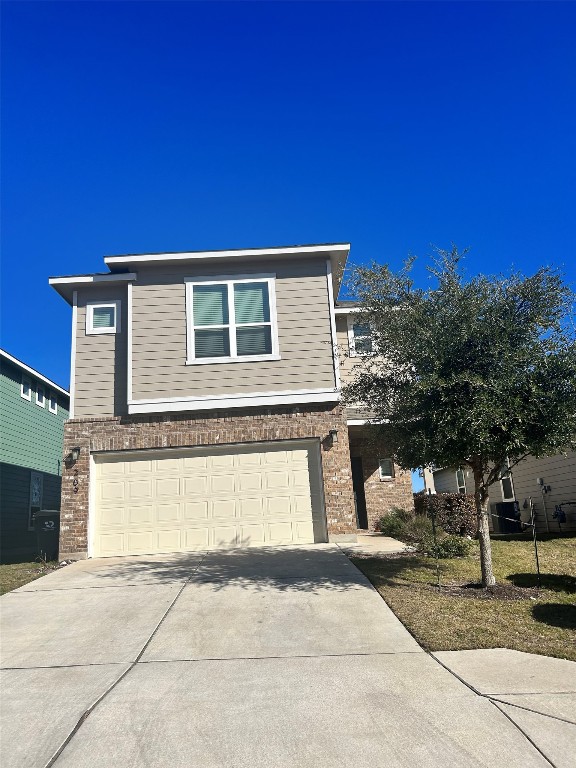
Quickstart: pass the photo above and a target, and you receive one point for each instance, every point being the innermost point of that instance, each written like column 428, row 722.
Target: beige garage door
column 176, row 500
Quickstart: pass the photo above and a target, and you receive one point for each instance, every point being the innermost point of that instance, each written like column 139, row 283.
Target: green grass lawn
column 540, row 621
column 18, row 574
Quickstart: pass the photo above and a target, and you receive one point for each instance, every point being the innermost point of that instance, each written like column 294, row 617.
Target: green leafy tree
column 474, row 372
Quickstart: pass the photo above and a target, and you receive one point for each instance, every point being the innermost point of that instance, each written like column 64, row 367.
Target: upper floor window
column 103, row 317
column 231, row 319
column 40, row 396
column 52, row 402
column 26, row 388
column 359, row 337
column 461, row 481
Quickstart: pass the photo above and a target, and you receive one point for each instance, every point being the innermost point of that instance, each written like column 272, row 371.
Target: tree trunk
column 481, row 501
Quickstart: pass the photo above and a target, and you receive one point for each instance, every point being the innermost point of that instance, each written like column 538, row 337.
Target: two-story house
column 205, row 406
column 33, row 410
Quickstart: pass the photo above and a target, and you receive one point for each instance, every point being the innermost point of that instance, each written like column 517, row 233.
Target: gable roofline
column 66, row 284
column 142, row 258
column 34, row 372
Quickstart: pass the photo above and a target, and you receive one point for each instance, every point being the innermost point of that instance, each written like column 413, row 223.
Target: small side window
column 52, row 402
column 103, row 317
column 386, row 469
column 26, row 388
column 40, row 396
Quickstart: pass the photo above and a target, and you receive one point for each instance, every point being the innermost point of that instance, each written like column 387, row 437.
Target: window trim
column 230, row 281
column 28, row 380
column 40, row 388
column 52, row 396
column 91, row 306
column 350, row 321
column 458, row 486
column 507, row 476
column 386, row 478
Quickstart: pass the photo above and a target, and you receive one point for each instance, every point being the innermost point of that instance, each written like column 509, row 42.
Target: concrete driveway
column 270, row 657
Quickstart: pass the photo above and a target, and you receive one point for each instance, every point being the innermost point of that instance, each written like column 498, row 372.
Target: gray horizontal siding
column 159, row 335
column 100, row 369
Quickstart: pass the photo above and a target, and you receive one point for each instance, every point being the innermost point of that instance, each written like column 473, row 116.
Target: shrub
column 390, row 525
column 455, row 513
column 416, row 530
column 450, row 546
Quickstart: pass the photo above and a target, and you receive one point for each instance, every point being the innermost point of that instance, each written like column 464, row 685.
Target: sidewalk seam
column 93, row 706
column 494, row 704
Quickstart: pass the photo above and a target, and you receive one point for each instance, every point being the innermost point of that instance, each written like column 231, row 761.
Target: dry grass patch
column 18, row 574
column 520, row 616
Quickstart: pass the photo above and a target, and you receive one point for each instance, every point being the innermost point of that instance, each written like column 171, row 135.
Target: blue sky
column 144, row 126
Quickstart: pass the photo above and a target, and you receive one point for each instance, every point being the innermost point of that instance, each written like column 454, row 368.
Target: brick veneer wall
column 381, row 495
column 178, row 430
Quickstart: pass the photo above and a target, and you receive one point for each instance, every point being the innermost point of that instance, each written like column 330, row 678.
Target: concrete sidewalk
column 283, row 657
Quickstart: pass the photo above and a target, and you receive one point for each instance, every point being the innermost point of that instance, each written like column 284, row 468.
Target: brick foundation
column 381, row 495
column 177, row 430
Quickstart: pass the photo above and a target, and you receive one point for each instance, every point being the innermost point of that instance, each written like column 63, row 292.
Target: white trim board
column 129, row 342
column 73, row 353
column 241, row 253
column 333, row 335
column 115, row 277
column 222, row 402
column 33, row 372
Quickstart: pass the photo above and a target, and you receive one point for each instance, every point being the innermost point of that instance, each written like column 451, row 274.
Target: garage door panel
column 112, row 491
column 138, row 489
column 140, row 542
column 167, row 486
column 196, row 510
column 195, row 486
column 224, row 508
column 222, row 483
column 167, row 513
column 280, row 532
column 141, row 515
column 276, row 480
column 251, row 508
column 188, row 499
column 253, row 534
column 169, row 541
column 249, row 481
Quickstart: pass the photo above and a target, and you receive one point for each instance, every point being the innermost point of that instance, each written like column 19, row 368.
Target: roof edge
column 34, row 372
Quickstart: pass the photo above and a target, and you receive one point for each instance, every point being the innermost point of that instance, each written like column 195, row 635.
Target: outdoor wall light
column 74, row 454
column 333, row 435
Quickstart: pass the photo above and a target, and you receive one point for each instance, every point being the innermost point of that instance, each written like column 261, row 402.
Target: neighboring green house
column 33, row 410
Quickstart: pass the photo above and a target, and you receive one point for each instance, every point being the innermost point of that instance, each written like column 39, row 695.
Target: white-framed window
column 26, row 388
column 359, row 336
column 461, row 480
column 230, row 319
column 36, row 493
column 386, row 469
column 102, row 317
column 52, row 402
column 40, row 396
column 506, row 485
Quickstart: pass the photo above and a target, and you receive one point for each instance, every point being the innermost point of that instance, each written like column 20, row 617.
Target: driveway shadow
column 282, row 568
